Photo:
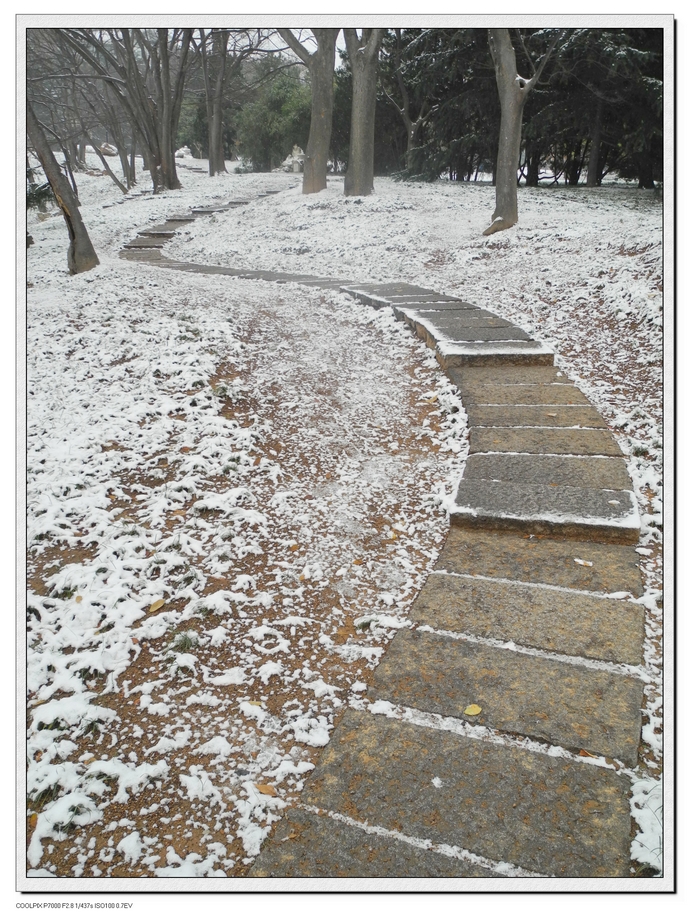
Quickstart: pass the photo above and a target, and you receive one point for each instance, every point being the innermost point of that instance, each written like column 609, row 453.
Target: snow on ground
column 236, row 488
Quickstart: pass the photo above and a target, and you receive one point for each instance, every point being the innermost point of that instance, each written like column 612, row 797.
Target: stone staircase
column 503, row 725
column 529, row 617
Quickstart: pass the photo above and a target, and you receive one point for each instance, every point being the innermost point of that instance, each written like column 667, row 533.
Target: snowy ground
column 236, row 488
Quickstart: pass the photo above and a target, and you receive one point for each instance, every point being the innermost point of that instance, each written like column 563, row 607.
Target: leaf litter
column 226, row 477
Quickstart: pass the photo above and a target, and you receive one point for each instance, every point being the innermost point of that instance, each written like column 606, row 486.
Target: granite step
column 141, row 254
column 581, row 472
column 458, row 332
column 145, row 242
column 469, row 379
column 549, row 815
column 158, row 233
column 452, row 354
column 533, row 417
column 553, row 394
column 602, row 568
column 566, row 622
column 308, row 845
column 447, row 313
column 556, row 702
column 588, row 514
column 569, row 441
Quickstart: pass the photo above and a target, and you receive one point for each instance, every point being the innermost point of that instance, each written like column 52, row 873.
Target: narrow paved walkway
column 505, row 722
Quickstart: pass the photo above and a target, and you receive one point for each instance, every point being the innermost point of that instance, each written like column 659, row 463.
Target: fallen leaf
column 357, row 562
column 185, row 450
column 156, row 605
column 473, row 710
column 294, row 546
column 551, row 414
column 265, row 790
column 255, row 703
column 33, row 820
column 584, row 562
column 135, row 641
column 257, row 461
column 584, row 753
column 179, row 513
column 78, row 599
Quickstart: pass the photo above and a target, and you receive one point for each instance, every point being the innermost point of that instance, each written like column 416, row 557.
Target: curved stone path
column 529, row 620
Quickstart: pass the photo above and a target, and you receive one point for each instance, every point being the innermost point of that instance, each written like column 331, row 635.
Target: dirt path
column 279, row 502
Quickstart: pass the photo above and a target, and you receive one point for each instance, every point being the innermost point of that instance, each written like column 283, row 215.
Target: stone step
column 141, row 254
column 570, row 441
column 464, row 314
column 145, row 242
column 180, row 218
column 385, row 289
column 565, row 622
column 614, row 567
column 407, row 312
column 158, row 233
column 586, row 514
column 468, row 379
column 533, row 417
column 465, row 325
column 457, row 332
column 581, row 472
column 202, row 212
column 326, row 283
column 308, row 845
column 548, row 815
column 554, row 394
column 451, row 354
column 556, row 702
column 198, row 269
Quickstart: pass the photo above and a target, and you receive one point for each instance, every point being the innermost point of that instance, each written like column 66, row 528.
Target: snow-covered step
column 488, row 354
column 596, row 514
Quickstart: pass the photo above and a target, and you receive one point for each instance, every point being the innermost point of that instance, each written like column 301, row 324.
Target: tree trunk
column 81, row 255
column 168, row 166
column 321, row 69
column 512, row 93
column 216, row 153
column 593, row 161
column 533, row 159
column 359, row 179
column 321, row 64
column 213, row 90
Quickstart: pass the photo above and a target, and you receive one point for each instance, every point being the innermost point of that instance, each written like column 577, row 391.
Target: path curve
column 504, row 725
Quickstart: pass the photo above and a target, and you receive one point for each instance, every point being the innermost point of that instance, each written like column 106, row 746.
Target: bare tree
column 146, row 68
column 363, row 53
column 81, row 255
column 513, row 91
column 321, row 64
column 223, row 53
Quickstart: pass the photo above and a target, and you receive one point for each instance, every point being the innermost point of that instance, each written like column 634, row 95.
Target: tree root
column 499, row 223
